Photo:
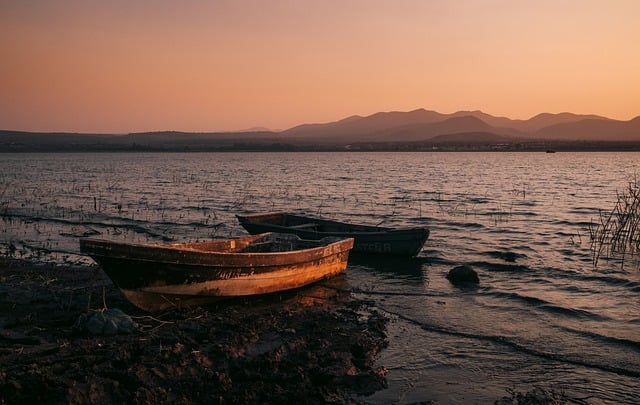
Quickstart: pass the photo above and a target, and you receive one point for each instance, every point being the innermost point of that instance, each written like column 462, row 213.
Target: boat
column 155, row 277
column 369, row 239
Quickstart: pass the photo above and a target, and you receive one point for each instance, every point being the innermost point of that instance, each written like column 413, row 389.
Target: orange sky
column 124, row 66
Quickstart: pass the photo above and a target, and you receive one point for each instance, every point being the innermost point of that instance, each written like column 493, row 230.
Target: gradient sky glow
column 198, row 65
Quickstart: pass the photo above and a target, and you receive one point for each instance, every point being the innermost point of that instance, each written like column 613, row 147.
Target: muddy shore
column 314, row 345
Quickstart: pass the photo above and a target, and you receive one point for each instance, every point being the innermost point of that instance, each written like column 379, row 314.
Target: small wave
column 565, row 223
column 501, row 267
column 526, row 203
column 95, row 225
column 565, row 234
column 397, row 293
column 523, row 248
column 507, row 256
column 571, row 312
column 424, row 218
column 479, row 200
column 405, row 268
column 38, row 219
column 533, row 301
column 435, row 258
column 525, row 214
column 452, row 225
column 505, row 341
column 611, row 280
column 570, row 255
column 192, row 208
column 609, row 340
column 584, row 210
column 548, row 306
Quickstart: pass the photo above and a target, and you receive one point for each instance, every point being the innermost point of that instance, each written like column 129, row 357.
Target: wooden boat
column 368, row 238
column 155, row 277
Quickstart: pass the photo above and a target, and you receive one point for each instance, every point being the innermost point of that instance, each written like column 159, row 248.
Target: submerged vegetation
column 617, row 234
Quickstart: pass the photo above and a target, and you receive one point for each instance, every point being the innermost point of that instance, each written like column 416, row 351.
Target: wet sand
column 313, row 345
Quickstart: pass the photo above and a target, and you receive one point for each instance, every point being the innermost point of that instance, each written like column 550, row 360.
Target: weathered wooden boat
column 368, row 238
column 154, row 277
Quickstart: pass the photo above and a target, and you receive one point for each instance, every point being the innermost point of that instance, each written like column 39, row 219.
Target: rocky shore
column 314, row 345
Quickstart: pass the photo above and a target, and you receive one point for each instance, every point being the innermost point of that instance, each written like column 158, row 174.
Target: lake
column 543, row 314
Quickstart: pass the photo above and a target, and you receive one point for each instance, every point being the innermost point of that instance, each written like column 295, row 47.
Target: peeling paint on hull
column 156, row 277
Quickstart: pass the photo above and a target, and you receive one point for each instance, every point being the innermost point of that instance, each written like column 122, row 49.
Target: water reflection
column 408, row 268
column 520, row 219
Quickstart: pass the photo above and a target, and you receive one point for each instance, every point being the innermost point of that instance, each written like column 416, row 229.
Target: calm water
column 542, row 316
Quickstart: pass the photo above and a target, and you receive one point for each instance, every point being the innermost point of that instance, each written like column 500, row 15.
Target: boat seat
column 305, row 226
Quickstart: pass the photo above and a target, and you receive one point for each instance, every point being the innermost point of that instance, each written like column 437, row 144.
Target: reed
column 617, row 233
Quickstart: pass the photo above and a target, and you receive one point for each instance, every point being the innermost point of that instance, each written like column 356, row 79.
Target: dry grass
column 617, row 234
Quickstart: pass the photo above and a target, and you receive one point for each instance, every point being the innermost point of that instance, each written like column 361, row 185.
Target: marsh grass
column 616, row 235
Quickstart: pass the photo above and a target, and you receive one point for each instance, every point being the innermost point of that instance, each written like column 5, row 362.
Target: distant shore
column 572, row 146
column 417, row 130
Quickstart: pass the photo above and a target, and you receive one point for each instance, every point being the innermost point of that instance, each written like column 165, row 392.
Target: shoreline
column 316, row 344
column 399, row 147
column 313, row 345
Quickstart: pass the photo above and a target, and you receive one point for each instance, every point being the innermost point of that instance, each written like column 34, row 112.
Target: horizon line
column 260, row 128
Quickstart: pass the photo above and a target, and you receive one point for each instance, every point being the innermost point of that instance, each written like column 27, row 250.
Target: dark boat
column 154, row 277
column 368, row 238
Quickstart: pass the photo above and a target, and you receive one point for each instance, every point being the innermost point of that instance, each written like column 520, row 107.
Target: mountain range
column 382, row 130
column 422, row 125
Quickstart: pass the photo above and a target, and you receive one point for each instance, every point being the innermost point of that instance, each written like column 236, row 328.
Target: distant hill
column 471, row 138
column 455, row 125
column 543, row 120
column 358, row 127
column 592, row 129
column 424, row 124
column 384, row 129
column 18, row 141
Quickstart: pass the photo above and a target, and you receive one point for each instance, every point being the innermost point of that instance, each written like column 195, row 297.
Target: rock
column 108, row 322
column 509, row 257
column 92, row 323
column 462, row 275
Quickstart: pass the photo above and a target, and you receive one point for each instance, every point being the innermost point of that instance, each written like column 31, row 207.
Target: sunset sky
column 122, row 66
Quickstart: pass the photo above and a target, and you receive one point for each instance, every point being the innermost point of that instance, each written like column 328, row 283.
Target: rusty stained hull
column 157, row 277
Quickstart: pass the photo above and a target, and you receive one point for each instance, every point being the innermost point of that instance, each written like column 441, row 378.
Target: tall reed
column 617, row 234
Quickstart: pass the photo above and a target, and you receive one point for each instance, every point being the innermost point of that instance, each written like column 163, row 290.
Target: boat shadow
column 328, row 293
column 391, row 266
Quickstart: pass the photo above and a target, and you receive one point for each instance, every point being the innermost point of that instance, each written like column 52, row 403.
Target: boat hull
column 156, row 277
column 367, row 239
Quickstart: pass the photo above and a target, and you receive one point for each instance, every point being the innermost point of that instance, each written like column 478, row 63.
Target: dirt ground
column 314, row 345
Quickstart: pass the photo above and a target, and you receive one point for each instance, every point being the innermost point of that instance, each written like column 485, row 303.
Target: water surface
column 543, row 315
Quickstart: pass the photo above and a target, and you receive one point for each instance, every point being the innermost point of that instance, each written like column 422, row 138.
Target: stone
column 108, row 322
column 463, row 275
